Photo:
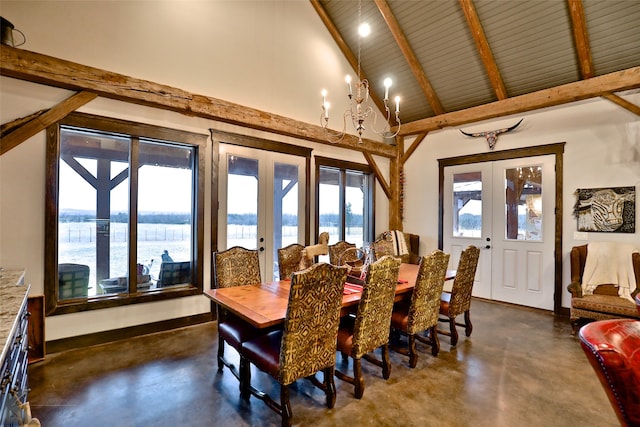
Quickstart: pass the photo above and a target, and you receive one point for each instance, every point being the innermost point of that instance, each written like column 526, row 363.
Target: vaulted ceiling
column 454, row 56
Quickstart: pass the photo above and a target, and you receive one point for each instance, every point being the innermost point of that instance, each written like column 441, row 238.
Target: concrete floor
column 520, row 367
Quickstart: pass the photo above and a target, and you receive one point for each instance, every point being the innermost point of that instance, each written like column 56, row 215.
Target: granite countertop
column 12, row 296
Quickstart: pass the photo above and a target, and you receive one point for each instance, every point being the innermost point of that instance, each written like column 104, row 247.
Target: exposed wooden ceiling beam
column 42, row 121
column 410, row 56
column 581, row 37
column 9, row 127
column 563, row 94
column 477, row 32
column 38, row 68
column 623, row 103
column 346, row 51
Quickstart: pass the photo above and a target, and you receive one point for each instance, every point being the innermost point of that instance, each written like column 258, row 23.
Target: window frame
column 346, row 166
column 133, row 130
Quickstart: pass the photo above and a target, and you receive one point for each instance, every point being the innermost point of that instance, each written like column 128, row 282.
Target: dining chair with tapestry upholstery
column 458, row 301
column 345, row 253
column 421, row 312
column 306, row 344
column 235, row 266
column 361, row 335
column 384, row 245
column 289, row 260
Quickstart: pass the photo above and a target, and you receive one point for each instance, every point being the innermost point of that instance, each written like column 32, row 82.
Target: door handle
column 488, row 247
column 261, row 248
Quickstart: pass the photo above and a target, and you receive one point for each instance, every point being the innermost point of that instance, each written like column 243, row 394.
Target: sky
column 161, row 189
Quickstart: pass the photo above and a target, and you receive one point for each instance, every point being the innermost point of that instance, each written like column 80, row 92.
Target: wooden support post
column 396, row 167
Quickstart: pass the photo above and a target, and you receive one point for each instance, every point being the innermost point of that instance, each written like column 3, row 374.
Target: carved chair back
column 371, row 328
column 425, row 299
column 309, row 339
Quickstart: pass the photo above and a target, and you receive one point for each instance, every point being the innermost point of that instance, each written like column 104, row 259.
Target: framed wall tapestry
column 610, row 210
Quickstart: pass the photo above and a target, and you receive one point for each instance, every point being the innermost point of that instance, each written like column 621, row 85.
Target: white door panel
column 266, row 190
column 524, row 263
column 473, row 188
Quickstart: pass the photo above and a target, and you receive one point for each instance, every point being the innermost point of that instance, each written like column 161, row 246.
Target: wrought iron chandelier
column 360, row 109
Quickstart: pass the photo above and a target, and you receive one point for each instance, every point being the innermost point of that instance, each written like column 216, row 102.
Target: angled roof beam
column 413, row 147
column 581, row 37
column 563, row 94
column 42, row 121
column 47, row 70
column 635, row 109
column 378, row 174
column 410, row 56
column 483, row 48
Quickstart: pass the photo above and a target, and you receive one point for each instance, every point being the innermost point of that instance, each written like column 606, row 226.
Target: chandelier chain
column 360, row 110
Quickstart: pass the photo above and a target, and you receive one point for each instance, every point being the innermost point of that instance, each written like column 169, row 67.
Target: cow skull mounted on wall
column 492, row 135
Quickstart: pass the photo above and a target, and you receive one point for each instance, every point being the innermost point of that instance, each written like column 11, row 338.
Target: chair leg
column 285, row 405
column 453, row 331
column 468, row 328
column 413, row 354
column 330, row 386
column 574, row 325
column 245, row 378
column 435, row 341
column 386, row 362
column 220, row 353
column 358, row 379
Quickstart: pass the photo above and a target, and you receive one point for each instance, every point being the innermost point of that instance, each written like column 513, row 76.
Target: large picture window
column 124, row 201
column 345, row 204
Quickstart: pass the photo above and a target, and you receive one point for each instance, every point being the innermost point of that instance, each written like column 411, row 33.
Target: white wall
column 602, row 150
column 274, row 56
column 271, row 55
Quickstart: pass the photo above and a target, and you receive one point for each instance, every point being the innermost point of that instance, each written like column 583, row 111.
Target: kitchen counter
column 12, row 297
column 14, row 341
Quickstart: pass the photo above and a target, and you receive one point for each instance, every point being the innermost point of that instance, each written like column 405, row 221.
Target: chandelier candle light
column 359, row 108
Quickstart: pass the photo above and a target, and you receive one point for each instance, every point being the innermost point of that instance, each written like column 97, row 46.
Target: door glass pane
column 165, row 212
column 285, row 209
column 242, row 202
column 354, row 207
column 93, row 172
column 523, row 203
column 467, row 204
column 329, row 203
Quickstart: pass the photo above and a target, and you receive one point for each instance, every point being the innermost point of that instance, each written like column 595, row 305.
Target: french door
column 507, row 209
column 262, row 202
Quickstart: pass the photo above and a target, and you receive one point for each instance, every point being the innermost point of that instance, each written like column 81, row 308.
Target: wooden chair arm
column 576, row 289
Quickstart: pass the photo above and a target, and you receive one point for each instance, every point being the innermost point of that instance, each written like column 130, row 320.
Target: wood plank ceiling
column 451, row 56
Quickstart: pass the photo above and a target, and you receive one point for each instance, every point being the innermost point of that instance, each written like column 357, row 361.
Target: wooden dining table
column 265, row 305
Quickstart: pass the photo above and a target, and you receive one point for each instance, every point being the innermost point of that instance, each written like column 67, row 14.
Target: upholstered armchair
column 458, row 301
column 235, row 266
column 73, row 281
column 605, row 303
column 422, row 311
column 306, row 344
column 361, row 335
column 612, row 349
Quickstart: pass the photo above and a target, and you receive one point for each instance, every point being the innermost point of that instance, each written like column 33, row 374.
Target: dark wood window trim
column 345, row 166
column 556, row 149
column 135, row 131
